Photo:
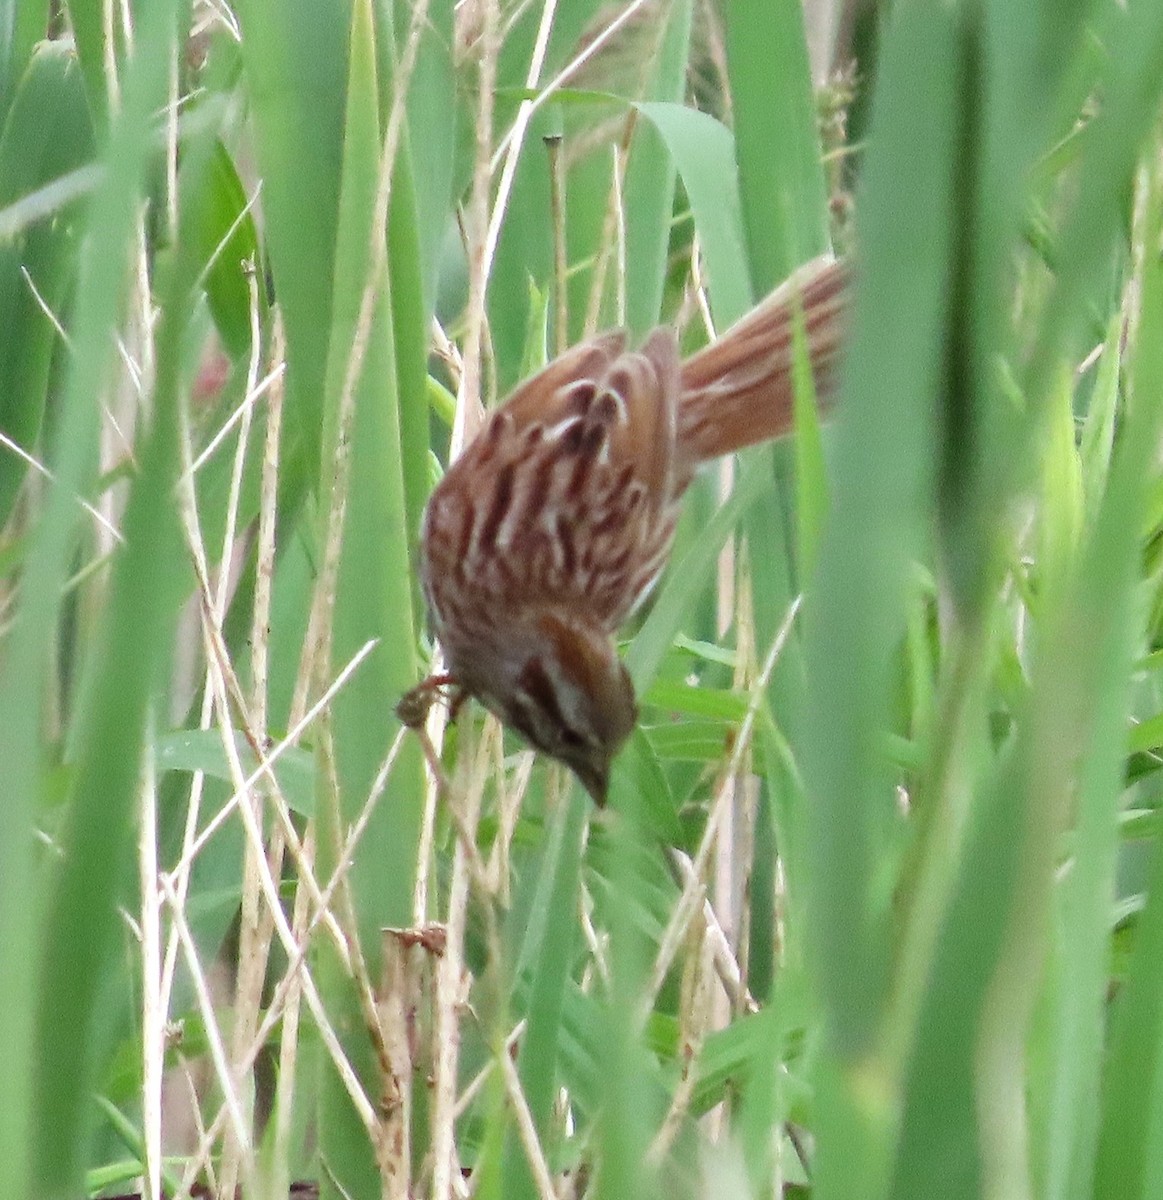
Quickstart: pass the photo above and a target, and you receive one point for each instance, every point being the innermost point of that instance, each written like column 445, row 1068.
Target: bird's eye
column 572, row 740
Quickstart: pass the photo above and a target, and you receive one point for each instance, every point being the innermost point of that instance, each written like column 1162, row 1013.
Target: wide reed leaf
column 47, row 133
column 874, row 907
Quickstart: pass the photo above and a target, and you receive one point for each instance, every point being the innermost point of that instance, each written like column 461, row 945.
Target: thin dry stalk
column 526, row 1128
column 695, row 1018
column 153, row 1011
column 405, row 1016
column 287, row 994
column 325, row 590
column 218, row 1056
column 613, row 239
column 515, row 138
column 252, row 950
column 451, row 976
column 203, row 1162
column 694, row 894
column 273, row 377
column 431, row 734
column 510, row 798
column 621, row 156
column 723, row 957
column 472, row 1090
column 290, row 1008
column 154, row 1001
column 39, row 467
column 563, row 76
column 599, row 957
column 732, row 880
column 265, row 554
column 560, row 262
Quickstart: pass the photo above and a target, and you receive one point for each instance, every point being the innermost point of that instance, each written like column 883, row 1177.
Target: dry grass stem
column 693, row 894
column 153, row 1010
column 515, row 138
column 563, row 76
column 270, row 380
column 268, row 760
column 724, row 958
column 15, row 448
column 526, row 1129
column 253, row 938
column 694, row 1021
column 225, row 1076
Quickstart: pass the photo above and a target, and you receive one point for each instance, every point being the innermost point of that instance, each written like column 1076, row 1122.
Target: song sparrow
column 554, row 524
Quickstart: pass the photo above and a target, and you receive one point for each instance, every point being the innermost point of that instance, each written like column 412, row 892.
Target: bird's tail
column 739, row 390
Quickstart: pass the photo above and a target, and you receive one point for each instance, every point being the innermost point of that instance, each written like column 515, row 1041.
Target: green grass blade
column 649, row 187
column 687, row 578
column 548, row 953
column 704, row 152
column 1128, row 1136
column 59, row 1125
column 87, row 21
column 47, row 133
column 373, row 600
column 374, row 596
column 149, row 579
column 21, row 27
column 781, row 176
column 855, row 613
column 295, row 60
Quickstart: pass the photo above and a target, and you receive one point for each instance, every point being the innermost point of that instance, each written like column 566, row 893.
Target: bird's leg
column 412, row 707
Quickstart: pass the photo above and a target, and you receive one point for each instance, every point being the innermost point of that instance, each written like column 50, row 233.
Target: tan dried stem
column 526, row 1128
column 153, row 1010
column 723, row 957
column 252, row 949
column 225, row 1076
column 320, row 625
column 694, row 893
column 613, row 239
column 284, row 1001
column 221, row 671
column 563, row 76
column 451, row 974
column 560, row 260
column 694, row 1017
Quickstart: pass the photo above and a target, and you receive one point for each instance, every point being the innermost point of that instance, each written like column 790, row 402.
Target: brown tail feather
column 738, row 391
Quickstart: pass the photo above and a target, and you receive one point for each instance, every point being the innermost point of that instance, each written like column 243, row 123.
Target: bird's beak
column 595, row 778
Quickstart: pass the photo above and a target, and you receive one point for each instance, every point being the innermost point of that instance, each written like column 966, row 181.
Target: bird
column 553, row 525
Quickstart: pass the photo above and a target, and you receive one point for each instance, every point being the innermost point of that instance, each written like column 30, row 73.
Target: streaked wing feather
column 574, row 487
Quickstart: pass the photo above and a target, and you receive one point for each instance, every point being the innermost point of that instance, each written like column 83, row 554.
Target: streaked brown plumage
column 554, row 524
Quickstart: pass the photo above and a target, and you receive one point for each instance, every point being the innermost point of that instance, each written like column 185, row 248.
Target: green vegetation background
column 878, row 907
